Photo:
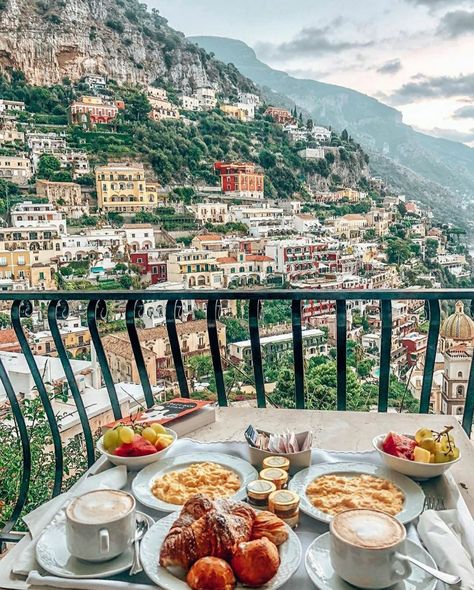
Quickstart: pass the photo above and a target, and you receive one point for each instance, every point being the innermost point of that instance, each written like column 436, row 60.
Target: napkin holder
column 298, row 461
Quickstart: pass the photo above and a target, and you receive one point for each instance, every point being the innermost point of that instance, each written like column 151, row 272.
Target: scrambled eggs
column 176, row 487
column 335, row 493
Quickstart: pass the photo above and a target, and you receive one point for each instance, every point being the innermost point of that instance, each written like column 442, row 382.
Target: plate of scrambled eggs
column 168, row 484
column 325, row 490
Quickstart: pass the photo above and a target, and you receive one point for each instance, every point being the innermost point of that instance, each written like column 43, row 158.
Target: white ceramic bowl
column 136, row 463
column 414, row 469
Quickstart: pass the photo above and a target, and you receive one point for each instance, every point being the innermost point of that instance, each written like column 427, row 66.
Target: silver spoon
column 449, row 579
column 142, row 527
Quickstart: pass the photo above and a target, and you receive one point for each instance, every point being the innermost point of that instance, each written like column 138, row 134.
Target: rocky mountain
column 50, row 40
column 433, row 166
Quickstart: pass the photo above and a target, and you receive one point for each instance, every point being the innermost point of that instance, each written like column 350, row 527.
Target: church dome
column 458, row 326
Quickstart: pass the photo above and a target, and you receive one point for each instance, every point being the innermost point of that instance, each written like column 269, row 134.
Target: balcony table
column 337, row 431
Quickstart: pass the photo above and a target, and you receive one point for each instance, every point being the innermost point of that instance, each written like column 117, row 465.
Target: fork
column 434, row 503
column 142, row 527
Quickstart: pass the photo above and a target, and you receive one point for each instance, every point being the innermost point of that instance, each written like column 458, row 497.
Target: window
column 41, row 276
column 460, row 391
column 21, row 260
column 460, row 375
column 3, row 261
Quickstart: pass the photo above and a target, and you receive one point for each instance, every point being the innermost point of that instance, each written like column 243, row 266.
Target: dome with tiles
column 458, row 326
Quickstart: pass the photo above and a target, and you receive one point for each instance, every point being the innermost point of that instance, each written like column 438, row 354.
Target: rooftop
column 280, row 337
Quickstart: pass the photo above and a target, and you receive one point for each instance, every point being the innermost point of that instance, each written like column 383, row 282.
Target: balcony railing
column 58, row 309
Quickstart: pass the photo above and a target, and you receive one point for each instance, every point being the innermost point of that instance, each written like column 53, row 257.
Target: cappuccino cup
column 100, row 525
column 364, row 546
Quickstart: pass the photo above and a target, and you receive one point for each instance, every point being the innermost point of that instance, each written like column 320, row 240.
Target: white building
column 11, row 105
column 190, row 103
column 155, row 311
column 77, row 161
column 275, row 346
column 305, row 223
column 215, row 213
column 206, row 96
column 261, row 221
column 139, row 236
column 15, row 169
column 311, row 153
column 456, row 264
column 38, row 215
column 104, row 244
column 249, row 98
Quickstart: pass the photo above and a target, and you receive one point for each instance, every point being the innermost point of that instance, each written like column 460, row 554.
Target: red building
column 243, row 178
column 415, row 345
column 155, row 269
column 281, row 116
column 92, row 110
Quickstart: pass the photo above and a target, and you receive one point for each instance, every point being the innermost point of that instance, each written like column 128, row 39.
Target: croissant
column 266, row 524
column 215, row 534
column 192, row 510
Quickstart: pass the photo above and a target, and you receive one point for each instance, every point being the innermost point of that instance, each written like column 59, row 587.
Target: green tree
column 48, row 166
column 431, row 248
column 200, row 365
column 137, row 106
column 236, row 330
column 125, row 281
column 267, row 159
column 370, row 234
column 397, row 251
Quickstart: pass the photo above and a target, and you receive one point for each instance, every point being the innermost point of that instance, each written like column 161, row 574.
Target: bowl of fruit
column 425, row 455
column 135, row 446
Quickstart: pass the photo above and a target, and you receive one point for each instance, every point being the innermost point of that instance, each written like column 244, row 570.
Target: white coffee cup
column 364, row 546
column 100, row 525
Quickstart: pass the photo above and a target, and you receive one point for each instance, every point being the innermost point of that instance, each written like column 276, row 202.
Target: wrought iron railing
column 58, row 308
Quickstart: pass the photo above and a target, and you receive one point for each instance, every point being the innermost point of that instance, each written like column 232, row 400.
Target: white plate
column 53, row 556
column 414, row 495
column 142, row 484
column 290, row 556
column 319, row 568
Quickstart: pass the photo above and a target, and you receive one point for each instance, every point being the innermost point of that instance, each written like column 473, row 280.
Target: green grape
column 111, row 440
column 126, row 434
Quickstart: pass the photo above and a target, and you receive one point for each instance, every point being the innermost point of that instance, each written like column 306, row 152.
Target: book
column 181, row 414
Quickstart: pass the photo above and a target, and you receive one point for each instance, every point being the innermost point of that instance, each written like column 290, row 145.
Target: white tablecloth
column 307, row 530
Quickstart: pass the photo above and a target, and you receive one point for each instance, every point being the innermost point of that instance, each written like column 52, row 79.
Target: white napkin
column 37, row 520
column 36, row 579
column 446, row 540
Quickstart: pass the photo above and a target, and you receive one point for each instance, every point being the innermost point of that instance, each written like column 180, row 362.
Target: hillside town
column 73, row 223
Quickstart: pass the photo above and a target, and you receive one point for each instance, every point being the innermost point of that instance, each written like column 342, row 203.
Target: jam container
column 276, row 461
column 285, row 505
column 258, row 492
column 276, row 475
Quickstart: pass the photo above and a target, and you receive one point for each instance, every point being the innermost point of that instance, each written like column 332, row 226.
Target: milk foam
column 367, row 528
column 100, row 506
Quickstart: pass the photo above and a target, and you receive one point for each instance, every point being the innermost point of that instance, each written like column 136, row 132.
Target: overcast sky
column 417, row 55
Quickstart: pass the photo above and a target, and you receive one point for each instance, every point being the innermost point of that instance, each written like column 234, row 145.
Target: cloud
column 312, row 41
column 436, row 3
column 422, row 87
column 466, row 112
column 453, row 134
column 457, row 23
column 390, row 67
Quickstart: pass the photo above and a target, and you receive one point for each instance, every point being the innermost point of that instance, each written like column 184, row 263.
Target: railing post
column 213, row 310
column 385, row 351
column 134, row 309
column 430, row 358
column 298, row 356
column 341, row 324
column 255, row 306
column 174, row 309
column 61, row 307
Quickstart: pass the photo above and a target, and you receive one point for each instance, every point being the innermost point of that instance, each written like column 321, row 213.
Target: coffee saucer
column 319, row 568
column 53, row 556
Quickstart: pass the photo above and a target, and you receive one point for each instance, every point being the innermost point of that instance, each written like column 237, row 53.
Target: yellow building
column 42, row 275
column 76, row 339
column 20, row 265
column 122, row 188
column 235, row 112
column 122, row 360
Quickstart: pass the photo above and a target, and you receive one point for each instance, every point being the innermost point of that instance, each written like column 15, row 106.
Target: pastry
column 211, row 573
column 256, row 562
column 266, row 524
column 217, row 534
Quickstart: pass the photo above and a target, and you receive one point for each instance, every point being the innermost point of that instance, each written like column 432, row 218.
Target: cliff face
column 50, row 40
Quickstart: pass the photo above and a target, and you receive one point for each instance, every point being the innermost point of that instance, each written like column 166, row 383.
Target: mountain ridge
column 445, row 164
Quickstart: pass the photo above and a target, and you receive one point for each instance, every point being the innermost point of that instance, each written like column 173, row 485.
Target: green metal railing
column 58, row 309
